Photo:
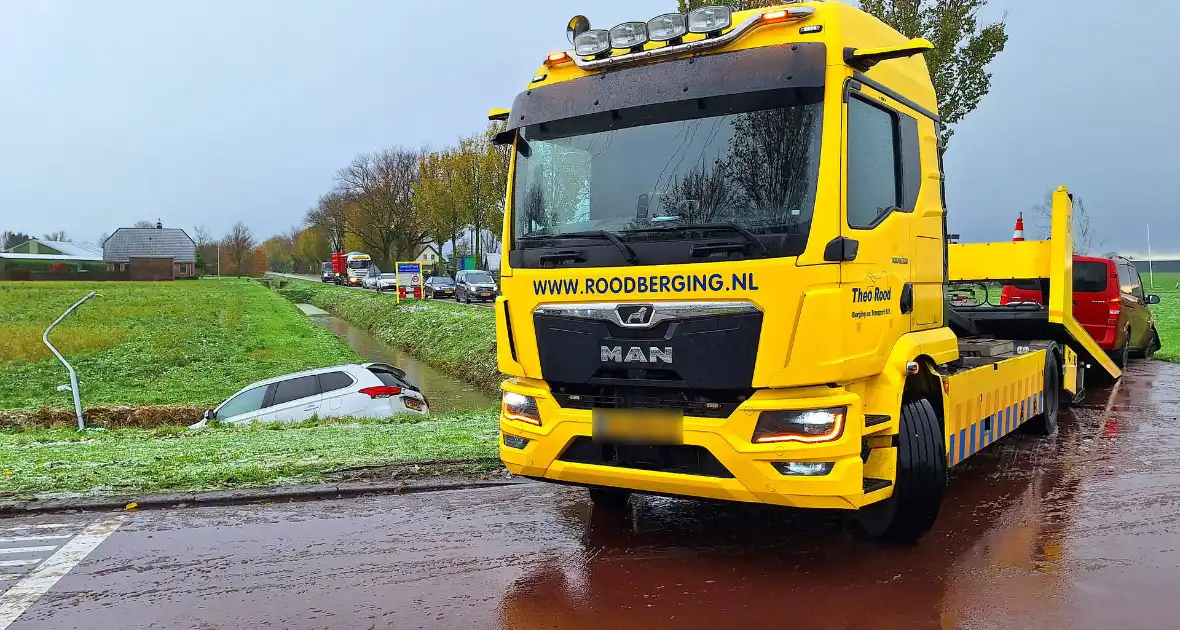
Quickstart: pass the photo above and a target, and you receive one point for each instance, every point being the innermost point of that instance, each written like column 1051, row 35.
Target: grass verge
column 1167, row 313
column 166, row 459
column 458, row 340
column 153, row 343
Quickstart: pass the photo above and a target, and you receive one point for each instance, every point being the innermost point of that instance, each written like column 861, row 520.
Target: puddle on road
column 446, row 393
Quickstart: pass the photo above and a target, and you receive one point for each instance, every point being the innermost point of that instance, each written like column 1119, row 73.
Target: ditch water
column 446, row 393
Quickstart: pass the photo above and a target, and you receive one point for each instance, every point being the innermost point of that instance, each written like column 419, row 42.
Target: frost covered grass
column 178, row 459
column 153, row 343
column 458, row 340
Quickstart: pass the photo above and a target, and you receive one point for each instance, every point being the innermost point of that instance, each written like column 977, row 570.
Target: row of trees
column 391, row 203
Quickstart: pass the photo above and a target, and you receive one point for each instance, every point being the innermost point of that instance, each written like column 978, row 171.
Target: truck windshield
column 359, row 264
column 641, row 180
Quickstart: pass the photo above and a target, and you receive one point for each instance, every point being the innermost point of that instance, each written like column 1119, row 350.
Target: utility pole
column 219, row 261
column 1150, row 268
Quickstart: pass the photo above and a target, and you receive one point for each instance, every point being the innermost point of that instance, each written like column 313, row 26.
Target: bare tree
column 59, row 235
column 144, row 224
column 1085, row 236
column 330, row 215
column 102, row 238
column 384, row 217
column 239, row 245
column 201, row 236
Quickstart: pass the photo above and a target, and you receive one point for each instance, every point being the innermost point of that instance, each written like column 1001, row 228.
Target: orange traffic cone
column 1018, row 235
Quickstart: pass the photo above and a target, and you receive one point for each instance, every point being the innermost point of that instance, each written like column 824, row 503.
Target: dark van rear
column 1109, row 302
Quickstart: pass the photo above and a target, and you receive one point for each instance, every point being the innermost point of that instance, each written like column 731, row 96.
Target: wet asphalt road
column 1079, row 531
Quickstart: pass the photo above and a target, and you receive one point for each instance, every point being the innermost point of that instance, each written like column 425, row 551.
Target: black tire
column 612, row 499
column 921, row 478
column 1154, row 345
column 1045, row 423
column 467, row 298
column 1121, row 356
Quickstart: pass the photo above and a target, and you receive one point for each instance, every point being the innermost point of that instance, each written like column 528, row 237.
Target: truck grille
column 683, row 459
column 697, row 403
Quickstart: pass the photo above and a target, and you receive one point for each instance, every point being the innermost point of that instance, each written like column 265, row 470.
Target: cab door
column 881, row 180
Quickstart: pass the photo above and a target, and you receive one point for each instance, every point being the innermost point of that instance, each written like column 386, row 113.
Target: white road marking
column 22, row 528
column 19, row 563
column 6, row 577
column 37, row 549
column 32, row 538
column 16, row 600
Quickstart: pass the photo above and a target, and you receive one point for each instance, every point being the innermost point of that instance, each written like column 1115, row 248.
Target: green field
column 153, row 343
column 39, row 462
column 458, row 340
column 1167, row 313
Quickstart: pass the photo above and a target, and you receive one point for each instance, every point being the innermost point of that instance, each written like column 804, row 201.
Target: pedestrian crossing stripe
column 979, row 435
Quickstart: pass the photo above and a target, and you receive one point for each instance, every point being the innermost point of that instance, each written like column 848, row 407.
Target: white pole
column 1150, row 268
column 219, row 261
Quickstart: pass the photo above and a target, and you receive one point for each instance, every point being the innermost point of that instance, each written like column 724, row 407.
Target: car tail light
column 1006, row 295
column 382, row 391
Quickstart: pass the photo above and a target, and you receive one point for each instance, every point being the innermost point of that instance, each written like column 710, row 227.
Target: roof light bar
column 710, row 20
column 667, row 27
column 592, row 42
column 752, row 22
column 628, row 35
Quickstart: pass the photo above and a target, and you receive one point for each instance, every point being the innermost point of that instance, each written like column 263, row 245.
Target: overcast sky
column 210, row 112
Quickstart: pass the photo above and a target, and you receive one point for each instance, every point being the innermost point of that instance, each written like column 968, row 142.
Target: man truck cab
column 726, row 267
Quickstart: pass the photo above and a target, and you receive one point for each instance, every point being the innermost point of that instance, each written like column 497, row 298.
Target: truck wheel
column 1046, row 422
column 612, row 499
column 921, row 476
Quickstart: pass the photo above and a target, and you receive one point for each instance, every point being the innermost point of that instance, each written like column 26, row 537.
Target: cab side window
column 874, row 167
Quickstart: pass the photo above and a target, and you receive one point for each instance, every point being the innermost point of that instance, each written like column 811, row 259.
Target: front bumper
column 754, row 479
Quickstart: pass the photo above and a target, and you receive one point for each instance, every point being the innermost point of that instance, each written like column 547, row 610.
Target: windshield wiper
column 749, row 236
column 625, row 249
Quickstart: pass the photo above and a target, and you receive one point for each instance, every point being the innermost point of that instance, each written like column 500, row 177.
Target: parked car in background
column 473, row 284
column 1108, row 301
column 379, row 281
column 438, row 287
column 326, row 273
column 372, row 390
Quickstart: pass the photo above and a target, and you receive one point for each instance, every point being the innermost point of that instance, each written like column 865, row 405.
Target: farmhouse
column 157, row 253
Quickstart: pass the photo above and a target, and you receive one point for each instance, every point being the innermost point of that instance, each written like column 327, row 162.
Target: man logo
column 634, row 315
column 635, row 355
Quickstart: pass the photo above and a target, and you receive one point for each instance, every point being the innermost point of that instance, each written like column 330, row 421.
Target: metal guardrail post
column 73, row 374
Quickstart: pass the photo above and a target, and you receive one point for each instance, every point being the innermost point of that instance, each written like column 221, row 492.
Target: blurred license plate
column 413, row 403
column 485, row 295
column 638, row 426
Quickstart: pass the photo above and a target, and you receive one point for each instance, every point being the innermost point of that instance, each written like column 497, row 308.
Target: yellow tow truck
column 728, row 274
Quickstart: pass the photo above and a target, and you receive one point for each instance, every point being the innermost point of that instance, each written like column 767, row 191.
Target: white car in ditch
column 372, row 390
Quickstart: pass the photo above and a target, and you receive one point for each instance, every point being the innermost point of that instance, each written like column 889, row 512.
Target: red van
column 1108, row 301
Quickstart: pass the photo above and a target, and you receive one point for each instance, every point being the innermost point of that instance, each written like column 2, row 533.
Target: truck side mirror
column 1153, row 298
column 864, row 58
column 209, row 415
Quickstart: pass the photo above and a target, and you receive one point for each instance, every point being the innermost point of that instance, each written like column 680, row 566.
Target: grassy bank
column 153, row 343
column 175, row 459
column 458, row 340
column 1167, row 313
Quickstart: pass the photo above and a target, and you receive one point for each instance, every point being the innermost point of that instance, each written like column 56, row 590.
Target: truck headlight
column 521, row 408
column 806, row 425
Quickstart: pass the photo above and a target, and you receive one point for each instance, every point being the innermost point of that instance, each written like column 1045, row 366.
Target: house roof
column 54, row 257
column 422, row 249
column 70, row 251
column 80, row 250
column 172, row 243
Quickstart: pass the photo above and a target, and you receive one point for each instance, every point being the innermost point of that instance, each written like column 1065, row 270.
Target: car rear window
column 1090, row 277
column 296, row 388
column 333, row 381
